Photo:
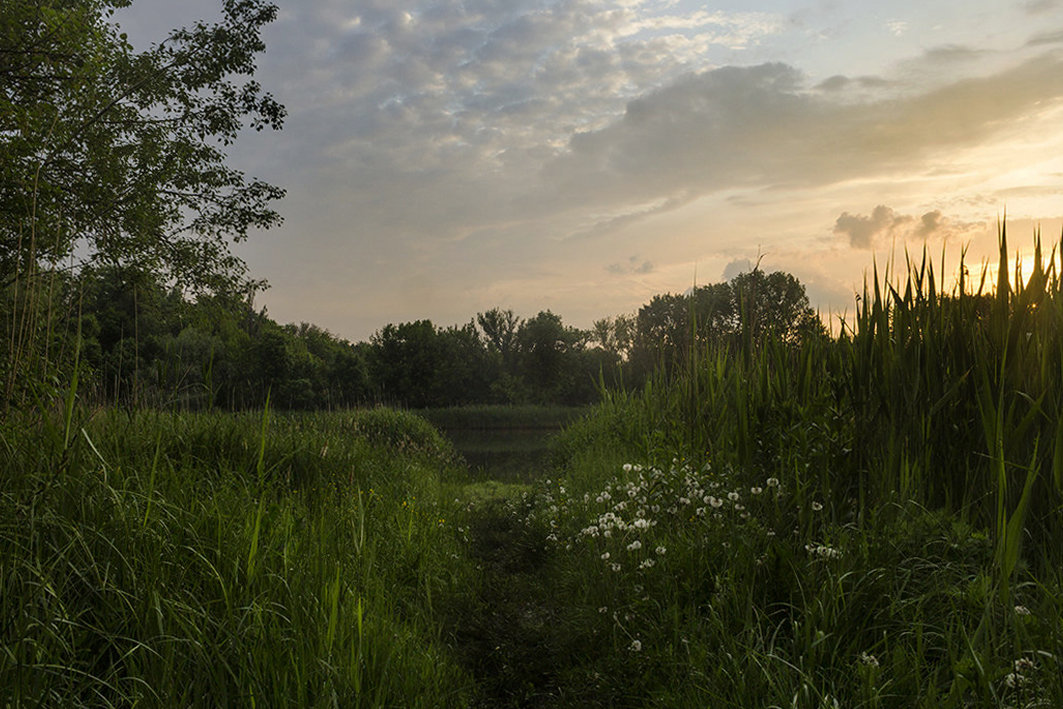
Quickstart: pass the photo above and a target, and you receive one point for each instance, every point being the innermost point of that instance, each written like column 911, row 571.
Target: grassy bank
column 220, row 560
column 490, row 417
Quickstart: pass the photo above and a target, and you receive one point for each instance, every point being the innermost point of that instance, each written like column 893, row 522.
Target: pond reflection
column 513, row 455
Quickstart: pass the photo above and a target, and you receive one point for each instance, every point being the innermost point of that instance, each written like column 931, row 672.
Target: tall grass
column 948, row 398
column 496, row 416
column 219, row 560
column 909, row 552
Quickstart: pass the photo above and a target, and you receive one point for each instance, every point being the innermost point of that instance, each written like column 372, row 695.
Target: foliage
column 115, row 153
column 156, row 559
column 871, row 521
column 747, row 312
column 114, row 158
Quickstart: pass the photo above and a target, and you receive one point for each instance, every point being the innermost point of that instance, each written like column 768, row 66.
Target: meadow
column 871, row 520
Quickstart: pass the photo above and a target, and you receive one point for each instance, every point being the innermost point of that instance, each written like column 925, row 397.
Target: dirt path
column 510, row 634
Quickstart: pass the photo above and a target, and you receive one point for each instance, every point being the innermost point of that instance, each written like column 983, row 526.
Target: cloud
column 448, row 119
column 634, row 265
column 952, row 53
column 897, row 27
column 1046, row 38
column 884, row 224
column 737, row 267
column 1036, row 7
column 866, row 232
column 759, row 126
column 840, row 82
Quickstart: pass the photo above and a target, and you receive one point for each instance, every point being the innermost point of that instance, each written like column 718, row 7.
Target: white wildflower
column 647, row 563
column 660, row 551
column 635, row 646
column 1023, row 665
column 641, row 523
column 816, row 506
column 772, row 482
column 732, row 496
column 868, row 660
column 605, row 556
column 634, row 546
column 823, row 551
column 756, row 490
column 614, row 566
column 1014, row 680
column 627, row 467
column 1022, row 610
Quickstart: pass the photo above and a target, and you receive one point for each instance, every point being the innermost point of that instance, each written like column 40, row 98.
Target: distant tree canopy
column 148, row 342
column 116, row 155
column 742, row 312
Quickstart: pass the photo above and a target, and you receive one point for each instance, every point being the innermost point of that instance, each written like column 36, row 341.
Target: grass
column 871, row 521
column 490, row 417
column 213, row 559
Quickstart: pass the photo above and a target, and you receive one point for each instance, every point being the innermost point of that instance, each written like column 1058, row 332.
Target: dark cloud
column 1046, row 38
column 840, row 82
column 884, row 225
column 867, row 232
column 1036, row 7
column 737, row 267
column 952, row 53
column 759, row 126
column 930, row 223
column 634, row 265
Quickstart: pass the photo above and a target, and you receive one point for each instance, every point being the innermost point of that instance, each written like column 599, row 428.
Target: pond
column 512, row 455
column 509, row 444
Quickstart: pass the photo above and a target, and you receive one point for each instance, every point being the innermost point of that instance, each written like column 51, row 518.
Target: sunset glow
column 443, row 158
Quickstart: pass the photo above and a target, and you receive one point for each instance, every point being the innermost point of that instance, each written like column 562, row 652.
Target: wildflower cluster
column 641, row 506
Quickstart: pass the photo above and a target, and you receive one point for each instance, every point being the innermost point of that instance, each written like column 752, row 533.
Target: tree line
column 138, row 339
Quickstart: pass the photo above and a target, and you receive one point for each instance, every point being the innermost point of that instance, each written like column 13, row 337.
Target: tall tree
column 117, row 155
column 500, row 331
column 773, row 305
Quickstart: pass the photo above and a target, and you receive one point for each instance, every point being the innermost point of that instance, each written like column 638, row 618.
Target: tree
column 747, row 310
column 550, row 357
column 773, row 305
column 117, row 155
column 500, row 331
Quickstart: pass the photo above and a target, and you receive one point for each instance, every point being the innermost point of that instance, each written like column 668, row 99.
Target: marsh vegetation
column 869, row 520
column 200, row 507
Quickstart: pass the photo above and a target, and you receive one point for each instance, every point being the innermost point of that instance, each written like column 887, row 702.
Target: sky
column 444, row 157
